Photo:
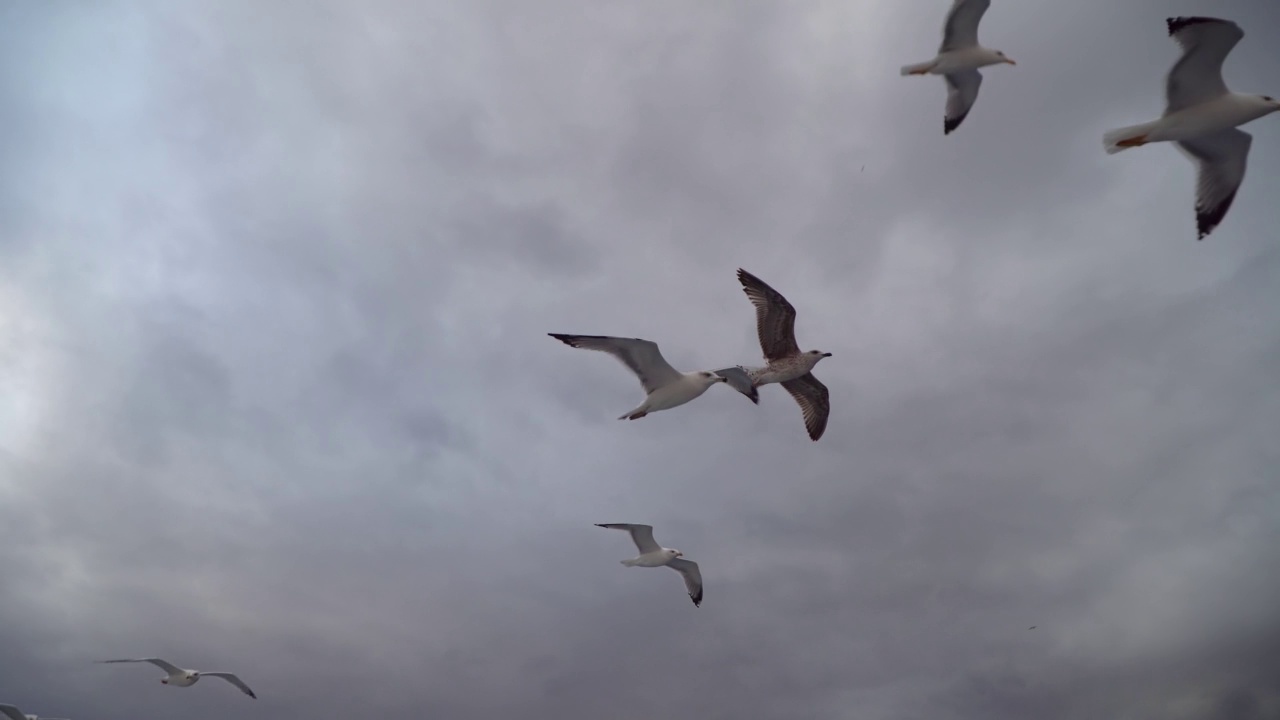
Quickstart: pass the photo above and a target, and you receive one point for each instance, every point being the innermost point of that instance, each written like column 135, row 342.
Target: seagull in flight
column 666, row 386
column 959, row 57
column 13, row 713
column 180, row 677
column 1201, row 115
column 654, row 555
column 786, row 364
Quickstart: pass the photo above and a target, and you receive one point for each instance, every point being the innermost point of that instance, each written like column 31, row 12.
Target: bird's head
column 674, row 553
column 816, row 355
column 1273, row 104
column 1005, row 58
column 711, row 377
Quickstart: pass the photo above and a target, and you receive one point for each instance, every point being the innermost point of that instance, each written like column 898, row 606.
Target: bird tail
column 917, row 69
column 1121, row 139
column 629, row 563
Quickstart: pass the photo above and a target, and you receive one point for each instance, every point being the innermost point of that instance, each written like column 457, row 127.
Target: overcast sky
column 276, row 395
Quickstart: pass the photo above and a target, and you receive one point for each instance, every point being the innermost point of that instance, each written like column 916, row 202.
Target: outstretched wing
column 739, row 380
column 692, row 578
column 231, row 678
column 1221, row 159
column 961, row 28
column 642, row 535
column 642, row 356
column 814, row 401
column 12, row 712
column 1197, row 76
column 775, row 317
column 962, row 91
column 162, row 664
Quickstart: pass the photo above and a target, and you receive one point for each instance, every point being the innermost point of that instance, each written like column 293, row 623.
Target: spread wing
column 739, row 380
column 642, row 356
column 962, row 91
column 1221, row 158
column 642, row 535
column 775, row 318
column 11, row 712
column 814, row 401
column 1197, row 76
column 961, row 28
column 688, row 569
column 231, row 678
column 162, row 664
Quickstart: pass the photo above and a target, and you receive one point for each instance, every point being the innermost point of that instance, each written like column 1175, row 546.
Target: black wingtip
column 1207, row 220
column 697, row 600
column 564, row 338
column 1174, row 24
column 950, row 124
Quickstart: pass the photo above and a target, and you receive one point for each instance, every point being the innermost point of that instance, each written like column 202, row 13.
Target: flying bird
column 654, row 555
column 666, row 386
column 180, row 677
column 959, row 57
column 1201, row 116
column 13, row 713
column 786, row 364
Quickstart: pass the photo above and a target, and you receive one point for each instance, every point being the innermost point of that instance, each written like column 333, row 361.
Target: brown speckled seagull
column 787, row 365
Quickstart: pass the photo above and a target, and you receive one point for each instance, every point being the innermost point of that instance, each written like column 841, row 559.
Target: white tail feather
column 1112, row 138
column 629, row 563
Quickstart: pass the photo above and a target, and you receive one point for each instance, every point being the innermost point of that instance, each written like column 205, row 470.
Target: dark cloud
column 278, row 398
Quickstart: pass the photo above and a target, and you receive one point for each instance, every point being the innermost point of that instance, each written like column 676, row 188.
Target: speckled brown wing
column 775, row 317
column 814, row 401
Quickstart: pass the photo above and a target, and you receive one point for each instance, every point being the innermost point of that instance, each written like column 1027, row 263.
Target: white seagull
column 1201, row 116
column 654, row 555
column 666, row 386
column 14, row 713
column 180, row 677
column 786, row 364
column 959, row 57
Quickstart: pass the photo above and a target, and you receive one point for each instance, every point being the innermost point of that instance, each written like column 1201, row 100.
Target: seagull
column 179, row 677
column 14, row 713
column 959, row 57
column 775, row 324
column 654, row 555
column 666, row 386
column 1201, row 115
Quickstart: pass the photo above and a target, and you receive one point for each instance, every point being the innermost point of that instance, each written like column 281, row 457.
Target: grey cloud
column 275, row 293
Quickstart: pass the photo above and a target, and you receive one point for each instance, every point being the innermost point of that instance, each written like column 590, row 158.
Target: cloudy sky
column 276, row 394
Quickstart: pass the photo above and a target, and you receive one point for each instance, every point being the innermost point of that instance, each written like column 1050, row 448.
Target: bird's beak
column 826, row 354
column 1010, row 61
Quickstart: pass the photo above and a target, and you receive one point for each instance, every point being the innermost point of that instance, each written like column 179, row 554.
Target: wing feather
column 641, row 356
column 688, row 569
column 1221, row 159
column 231, row 678
column 962, row 91
column 961, row 27
column 1197, row 76
column 641, row 535
column 775, row 317
column 739, row 380
column 162, row 664
column 814, row 401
